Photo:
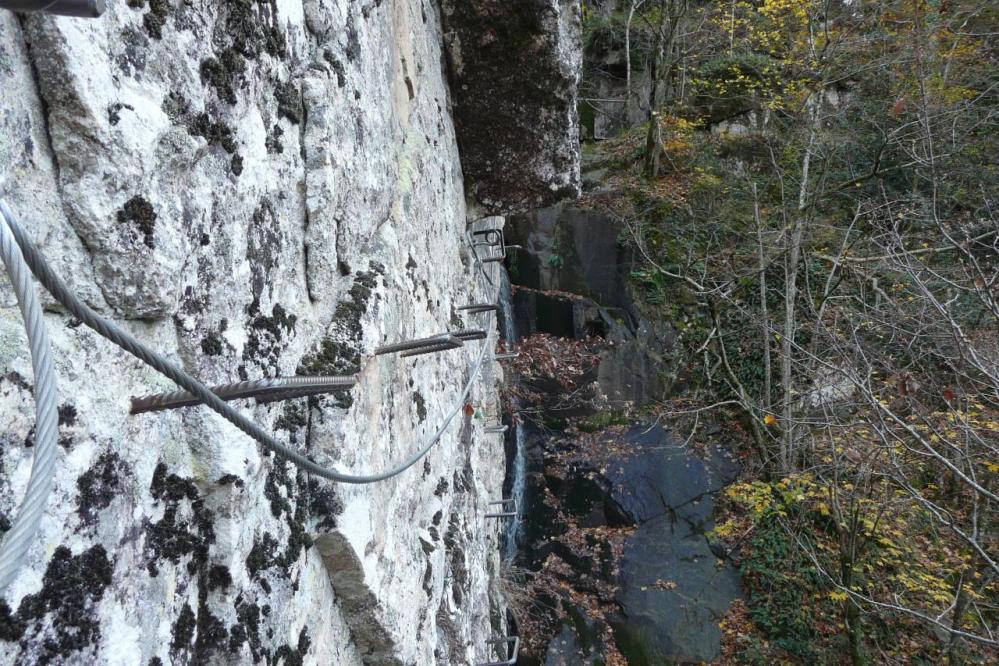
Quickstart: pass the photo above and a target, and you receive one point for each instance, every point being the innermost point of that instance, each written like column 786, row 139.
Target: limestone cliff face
column 254, row 188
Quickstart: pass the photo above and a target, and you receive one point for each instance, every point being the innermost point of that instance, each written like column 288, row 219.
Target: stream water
column 517, row 471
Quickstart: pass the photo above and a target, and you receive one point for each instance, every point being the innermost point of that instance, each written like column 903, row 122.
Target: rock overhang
column 514, row 68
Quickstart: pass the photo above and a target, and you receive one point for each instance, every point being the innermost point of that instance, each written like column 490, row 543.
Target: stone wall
column 255, row 189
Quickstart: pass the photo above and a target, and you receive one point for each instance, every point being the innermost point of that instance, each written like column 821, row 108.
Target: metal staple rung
column 494, row 429
column 504, row 514
column 502, row 255
column 269, row 389
column 505, row 641
column 506, row 356
column 422, row 346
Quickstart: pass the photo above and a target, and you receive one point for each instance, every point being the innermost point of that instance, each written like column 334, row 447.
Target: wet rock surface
column 573, row 280
column 617, row 526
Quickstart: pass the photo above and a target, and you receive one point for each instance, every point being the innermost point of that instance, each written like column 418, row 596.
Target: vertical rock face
column 259, row 189
column 514, row 70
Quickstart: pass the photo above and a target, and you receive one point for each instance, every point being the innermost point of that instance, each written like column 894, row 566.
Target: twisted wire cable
column 18, row 538
column 43, row 272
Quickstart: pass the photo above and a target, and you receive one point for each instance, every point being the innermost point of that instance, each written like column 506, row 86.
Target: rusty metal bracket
column 504, row 514
column 507, row 640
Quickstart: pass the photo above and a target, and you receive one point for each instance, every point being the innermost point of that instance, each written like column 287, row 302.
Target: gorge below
column 611, row 558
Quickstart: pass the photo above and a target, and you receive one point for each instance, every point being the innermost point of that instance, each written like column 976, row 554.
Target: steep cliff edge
column 256, row 189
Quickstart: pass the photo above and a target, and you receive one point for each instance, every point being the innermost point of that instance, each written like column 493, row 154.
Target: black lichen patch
column 289, row 500
column 114, row 112
column 211, row 631
column 247, row 630
column 338, row 68
column 442, row 486
column 183, row 630
column 219, row 577
column 294, row 656
column 139, row 213
column 186, row 528
column 263, row 247
column 176, row 106
column 154, row 20
column 453, row 540
column 230, row 479
column 98, row 486
column 339, row 351
column 289, row 101
column 324, row 504
column 294, row 417
column 246, row 36
column 213, row 343
column 225, row 74
column 216, row 133
column 72, row 587
column 273, row 141
column 262, row 557
column 67, row 414
column 421, row 406
column 265, row 334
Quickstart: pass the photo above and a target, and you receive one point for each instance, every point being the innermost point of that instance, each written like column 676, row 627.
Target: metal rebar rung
column 506, row 356
column 478, row 308
column 297, row 393
column 429, row 349
column 75, row 8
column 505, row 641
column 495, row 428
column 504, row 514
column 408, row 345
column 469, row 334
column 259, row 388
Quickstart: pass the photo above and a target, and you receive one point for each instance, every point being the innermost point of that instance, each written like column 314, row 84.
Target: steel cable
column 17, row 539
column 22, row 531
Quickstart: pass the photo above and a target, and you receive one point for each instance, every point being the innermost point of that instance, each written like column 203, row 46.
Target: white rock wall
column 255, row 189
